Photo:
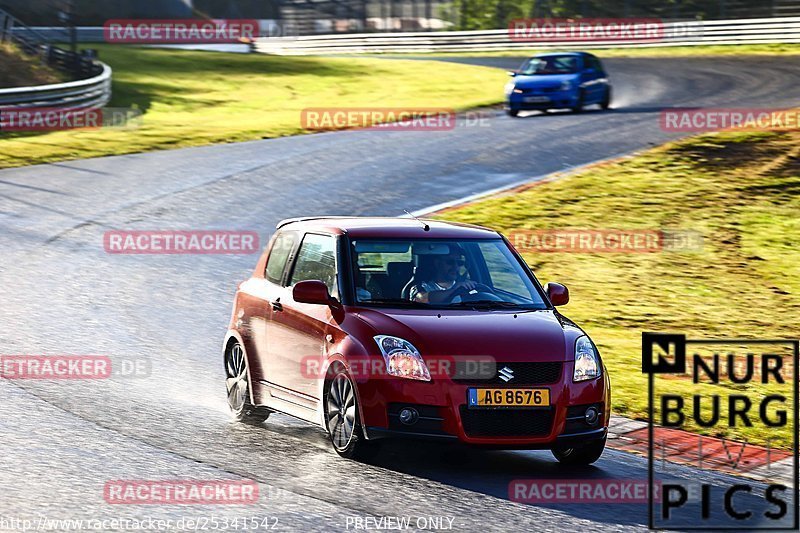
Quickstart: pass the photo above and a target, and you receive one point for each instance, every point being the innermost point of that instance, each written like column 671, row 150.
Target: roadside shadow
column 491, row 472
column 592, row 112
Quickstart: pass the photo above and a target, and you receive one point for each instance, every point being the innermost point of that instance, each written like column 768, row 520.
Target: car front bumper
column 551, row 100
column 444, row 414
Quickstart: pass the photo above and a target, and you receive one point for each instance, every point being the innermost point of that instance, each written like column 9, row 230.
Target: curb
column 677, row 446
column 522, row 185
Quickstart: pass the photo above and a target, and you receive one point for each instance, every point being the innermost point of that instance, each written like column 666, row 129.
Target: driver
column 443, row 285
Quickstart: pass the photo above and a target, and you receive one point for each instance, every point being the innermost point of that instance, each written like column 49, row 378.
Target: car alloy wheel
column 238, row 388
column 578, row 107
column 341, row 412
column 342, row 419
column 606, row 103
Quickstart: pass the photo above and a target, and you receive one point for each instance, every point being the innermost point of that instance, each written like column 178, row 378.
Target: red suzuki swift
column 387, row 327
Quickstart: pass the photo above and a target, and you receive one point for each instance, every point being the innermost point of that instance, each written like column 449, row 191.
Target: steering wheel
column 480, row 288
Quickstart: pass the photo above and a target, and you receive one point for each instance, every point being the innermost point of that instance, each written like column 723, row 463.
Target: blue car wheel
column 579, row 102
column 606, row 102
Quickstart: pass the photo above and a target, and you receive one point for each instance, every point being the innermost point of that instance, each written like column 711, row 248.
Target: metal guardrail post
column 8, row 26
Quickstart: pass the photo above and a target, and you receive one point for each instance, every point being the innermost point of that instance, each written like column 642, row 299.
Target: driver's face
column 449, row 267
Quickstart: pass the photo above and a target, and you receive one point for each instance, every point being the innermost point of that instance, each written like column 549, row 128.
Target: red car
column 390, row 327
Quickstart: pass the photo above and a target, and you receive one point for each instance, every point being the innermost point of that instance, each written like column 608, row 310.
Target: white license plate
column 535, row 99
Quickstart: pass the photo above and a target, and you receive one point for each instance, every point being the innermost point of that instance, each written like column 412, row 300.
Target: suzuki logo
column 506, row 374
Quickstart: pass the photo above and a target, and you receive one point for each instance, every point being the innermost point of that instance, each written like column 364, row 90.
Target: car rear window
column 278, row 255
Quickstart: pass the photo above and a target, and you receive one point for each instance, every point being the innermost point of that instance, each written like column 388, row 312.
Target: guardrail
column 90, row 93
column 82, row 34
column 691, row 33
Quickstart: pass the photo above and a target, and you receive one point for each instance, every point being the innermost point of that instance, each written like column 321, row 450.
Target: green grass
column 198, row 98
column 741, row 190
column 21, row 70
column 655, row 51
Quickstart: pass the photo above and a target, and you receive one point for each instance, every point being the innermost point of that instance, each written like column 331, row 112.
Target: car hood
column 543, row 81
column 504, row 335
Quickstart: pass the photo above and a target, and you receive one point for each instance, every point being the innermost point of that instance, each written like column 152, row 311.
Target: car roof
column 547, row 54
column 388, row 227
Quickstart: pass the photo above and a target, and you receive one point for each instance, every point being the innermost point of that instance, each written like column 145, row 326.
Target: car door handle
column 277, row 305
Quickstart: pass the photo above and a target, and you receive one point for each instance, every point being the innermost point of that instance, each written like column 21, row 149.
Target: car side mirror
column 558, row 293
column 311, row 292
column 512, row 73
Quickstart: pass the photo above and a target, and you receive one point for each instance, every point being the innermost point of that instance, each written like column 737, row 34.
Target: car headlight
column 587, row 362
column 566, row 85
column 509, row 87
column 402, row 359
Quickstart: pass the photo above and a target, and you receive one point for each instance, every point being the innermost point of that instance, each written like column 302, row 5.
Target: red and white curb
column 762, row 463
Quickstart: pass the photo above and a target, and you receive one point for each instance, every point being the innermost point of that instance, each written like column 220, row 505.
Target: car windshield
column 550, row 65
column 435, row 273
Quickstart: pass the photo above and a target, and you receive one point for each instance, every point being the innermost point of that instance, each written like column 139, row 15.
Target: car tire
column 239, row 389
column 580, row 455
column 606, row 103
column 342, row 419
column 578, row 107
column 512, row 112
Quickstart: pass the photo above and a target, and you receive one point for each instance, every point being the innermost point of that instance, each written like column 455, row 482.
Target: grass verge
column 196, row 98
column 20, row 70
column 740, row 190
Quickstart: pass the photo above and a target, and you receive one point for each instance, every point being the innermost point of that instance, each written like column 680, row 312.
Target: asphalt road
column 61, row 294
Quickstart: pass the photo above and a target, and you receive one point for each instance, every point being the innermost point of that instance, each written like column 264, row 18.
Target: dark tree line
column 96, row 12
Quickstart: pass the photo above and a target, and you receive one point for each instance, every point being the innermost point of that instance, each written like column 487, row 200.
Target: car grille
column 525, row 373
column 541, row 90
column 506, row 422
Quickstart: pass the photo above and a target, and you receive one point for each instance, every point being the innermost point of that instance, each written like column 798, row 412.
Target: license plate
column 535, row 99
column 508, row 397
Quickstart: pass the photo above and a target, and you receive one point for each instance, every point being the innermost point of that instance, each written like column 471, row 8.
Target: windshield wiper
column 487, row 304
column 395, row 301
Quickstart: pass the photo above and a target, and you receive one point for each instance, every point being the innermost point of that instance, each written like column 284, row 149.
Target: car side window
column 278, row 256
column 316, row 260
column 599, row 65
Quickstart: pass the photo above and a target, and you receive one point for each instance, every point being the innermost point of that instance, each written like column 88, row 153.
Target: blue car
column 558, row 80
